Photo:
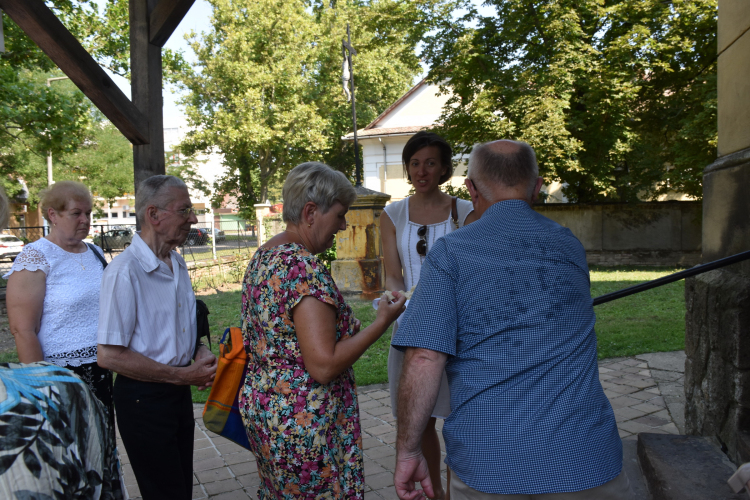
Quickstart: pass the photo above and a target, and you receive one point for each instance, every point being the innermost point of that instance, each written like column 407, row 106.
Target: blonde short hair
column 60, row 193
column 316, row 182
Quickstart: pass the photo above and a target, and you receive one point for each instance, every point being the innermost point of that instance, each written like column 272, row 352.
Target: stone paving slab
column 646, row 393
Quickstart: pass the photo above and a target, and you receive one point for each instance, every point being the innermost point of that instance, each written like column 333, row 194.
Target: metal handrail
column 702, row 268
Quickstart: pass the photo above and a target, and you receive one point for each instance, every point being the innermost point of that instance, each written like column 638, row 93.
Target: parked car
column 114, row 239
column 10, row 247
column 197, row 236
column 219, row 235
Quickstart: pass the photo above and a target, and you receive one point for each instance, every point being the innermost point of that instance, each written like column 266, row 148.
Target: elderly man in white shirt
column 147, row 334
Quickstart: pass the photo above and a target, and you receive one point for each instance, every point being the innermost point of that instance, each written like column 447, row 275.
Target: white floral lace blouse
column 70, row 316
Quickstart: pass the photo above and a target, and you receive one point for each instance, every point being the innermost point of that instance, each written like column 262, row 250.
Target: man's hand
column 202, row 372
column 411, row 469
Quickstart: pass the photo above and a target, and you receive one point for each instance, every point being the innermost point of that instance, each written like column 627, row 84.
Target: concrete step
column 633, row 469
column 685, row 468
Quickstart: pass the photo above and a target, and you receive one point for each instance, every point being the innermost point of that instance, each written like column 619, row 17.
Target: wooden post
column 146, row 85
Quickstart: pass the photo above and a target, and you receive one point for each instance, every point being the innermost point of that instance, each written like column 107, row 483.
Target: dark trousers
column 157, row 428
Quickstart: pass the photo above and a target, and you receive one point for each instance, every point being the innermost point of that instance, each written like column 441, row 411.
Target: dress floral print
column 306, row 436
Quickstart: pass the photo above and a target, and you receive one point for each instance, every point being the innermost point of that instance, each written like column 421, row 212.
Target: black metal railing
column 693, row 271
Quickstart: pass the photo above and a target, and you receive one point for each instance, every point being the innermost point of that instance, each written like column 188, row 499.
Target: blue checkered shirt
column 507, row 298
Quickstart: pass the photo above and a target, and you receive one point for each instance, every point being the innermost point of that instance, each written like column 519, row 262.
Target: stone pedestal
column 717, row 343
column 717, row 369
column 358, row 267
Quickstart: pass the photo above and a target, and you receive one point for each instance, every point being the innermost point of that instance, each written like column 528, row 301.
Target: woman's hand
column 389, row 311
column 356, row 325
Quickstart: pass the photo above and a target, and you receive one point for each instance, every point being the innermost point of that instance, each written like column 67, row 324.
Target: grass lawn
column 651, row 321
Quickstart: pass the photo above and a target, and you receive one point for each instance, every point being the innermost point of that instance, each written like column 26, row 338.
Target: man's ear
column 537, row 187
column 472, row 191
column 152, row 214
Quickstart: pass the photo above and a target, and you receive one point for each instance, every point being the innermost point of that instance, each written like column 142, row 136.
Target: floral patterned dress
column 306, row 436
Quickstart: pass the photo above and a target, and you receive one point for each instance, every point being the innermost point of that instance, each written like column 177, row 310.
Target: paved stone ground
column 645, row 392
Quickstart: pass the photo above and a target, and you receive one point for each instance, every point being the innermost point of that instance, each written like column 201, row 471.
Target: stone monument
column 717, row 336
column 358, row 268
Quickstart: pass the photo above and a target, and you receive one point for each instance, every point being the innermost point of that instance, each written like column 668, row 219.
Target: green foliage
column 329, row 255
column 460, row 192
column 618, row 98
column 186, row 168
column 36, row 119
column 104, row 162
column 267, row 94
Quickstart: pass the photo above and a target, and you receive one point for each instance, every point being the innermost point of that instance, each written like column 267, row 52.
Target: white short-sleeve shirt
column 148, row 308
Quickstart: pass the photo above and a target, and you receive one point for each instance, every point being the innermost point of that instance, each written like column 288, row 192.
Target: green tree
column 187, row 167
column 36, row 119
column 617, row 97
column 104, row 162
column 267, row 93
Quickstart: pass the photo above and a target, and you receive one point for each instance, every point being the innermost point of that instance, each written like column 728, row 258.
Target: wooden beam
column 43, row 27
column 164, row 19
column 146, row 78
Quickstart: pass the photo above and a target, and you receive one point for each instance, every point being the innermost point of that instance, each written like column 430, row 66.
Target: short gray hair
column 489, row 166
column 152, row 191
column 316, row 182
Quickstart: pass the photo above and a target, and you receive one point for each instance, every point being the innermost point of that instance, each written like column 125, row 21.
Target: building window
column 132, row 214
column 114, row 215
column 124, row 215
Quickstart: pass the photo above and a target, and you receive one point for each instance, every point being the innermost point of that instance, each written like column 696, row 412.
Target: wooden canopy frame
column 141, row 120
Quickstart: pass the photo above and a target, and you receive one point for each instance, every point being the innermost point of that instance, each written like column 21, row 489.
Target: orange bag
column 222, row 413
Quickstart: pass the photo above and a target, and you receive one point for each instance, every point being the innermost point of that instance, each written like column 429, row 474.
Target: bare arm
column 417, row 393
column 124, row 361
column 324, row 357
column 471, row 218
column 394, row 277
column 25, row 303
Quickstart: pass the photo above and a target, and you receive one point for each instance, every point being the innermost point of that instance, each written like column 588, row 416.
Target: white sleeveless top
column 406, row 235
column 70, row 315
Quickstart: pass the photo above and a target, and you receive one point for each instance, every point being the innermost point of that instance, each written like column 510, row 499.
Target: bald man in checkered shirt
column 504, row 306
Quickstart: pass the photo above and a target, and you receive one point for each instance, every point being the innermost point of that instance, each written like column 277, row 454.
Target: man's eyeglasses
column 422, row 243
column 186, row 212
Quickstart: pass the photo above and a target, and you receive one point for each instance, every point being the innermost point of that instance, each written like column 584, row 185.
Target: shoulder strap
column 454, row 212
column 98, row 255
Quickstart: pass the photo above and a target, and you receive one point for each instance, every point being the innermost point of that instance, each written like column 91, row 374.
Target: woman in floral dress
column 299, row 402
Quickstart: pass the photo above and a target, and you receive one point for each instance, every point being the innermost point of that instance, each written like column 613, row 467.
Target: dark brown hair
column 422, row 140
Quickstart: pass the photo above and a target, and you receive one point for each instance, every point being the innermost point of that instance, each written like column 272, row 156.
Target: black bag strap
column 98, row 255
column 454, row 211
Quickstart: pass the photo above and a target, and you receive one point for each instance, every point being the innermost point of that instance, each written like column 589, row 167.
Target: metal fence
column 205, row 241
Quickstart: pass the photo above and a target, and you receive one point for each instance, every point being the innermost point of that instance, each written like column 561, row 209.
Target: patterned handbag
column 222, row 413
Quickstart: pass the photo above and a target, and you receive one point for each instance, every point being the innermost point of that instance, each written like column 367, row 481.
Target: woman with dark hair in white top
column 409, row 227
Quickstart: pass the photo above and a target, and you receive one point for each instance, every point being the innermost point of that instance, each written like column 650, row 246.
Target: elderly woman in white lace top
column 53, row 291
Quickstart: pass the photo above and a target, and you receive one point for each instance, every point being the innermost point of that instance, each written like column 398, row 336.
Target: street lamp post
column 49, row 154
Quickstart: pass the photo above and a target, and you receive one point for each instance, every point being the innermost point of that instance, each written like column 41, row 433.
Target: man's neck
column 161, row 249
